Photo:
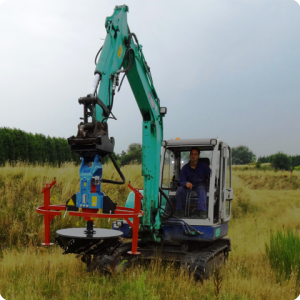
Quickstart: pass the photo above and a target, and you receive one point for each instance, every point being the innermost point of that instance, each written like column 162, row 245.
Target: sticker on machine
column 154, row 106
column 94, row 201
column 70, row 203
column 120, row 51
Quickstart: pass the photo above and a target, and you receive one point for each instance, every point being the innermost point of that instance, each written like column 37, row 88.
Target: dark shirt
column 195, row 176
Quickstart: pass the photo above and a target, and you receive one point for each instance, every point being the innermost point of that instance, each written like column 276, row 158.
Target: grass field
column 264, row 202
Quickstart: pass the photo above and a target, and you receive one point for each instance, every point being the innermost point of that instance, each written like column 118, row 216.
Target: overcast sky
column 227, row 69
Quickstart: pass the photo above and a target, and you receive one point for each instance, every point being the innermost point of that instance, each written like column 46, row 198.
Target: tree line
column 293, row 159
column 18, row 145
column 242, row 155
column 281, row 161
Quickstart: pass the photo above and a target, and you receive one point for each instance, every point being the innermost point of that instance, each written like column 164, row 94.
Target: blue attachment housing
column 88, row 175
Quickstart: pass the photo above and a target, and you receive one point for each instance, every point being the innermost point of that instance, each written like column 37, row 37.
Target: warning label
column 71, row 202
column 94, row 201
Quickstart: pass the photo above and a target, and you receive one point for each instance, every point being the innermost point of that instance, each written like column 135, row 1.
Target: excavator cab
column 217, row 155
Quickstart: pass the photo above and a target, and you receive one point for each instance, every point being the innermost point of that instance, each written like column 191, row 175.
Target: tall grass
column 36, row 274
column 284, row 253
column 261, row 180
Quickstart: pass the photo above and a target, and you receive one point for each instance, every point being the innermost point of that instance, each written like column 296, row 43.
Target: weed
column 217, row 282
column 284, row 253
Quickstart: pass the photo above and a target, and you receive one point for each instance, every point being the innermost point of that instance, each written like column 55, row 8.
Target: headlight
column 213, row 142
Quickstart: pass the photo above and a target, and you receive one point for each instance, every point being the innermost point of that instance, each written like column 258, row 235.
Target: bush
column 281, row 161
column 284, row 253
column 242, row 155
column 297, row 168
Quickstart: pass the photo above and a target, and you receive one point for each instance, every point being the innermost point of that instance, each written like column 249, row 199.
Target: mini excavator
column 199, row 244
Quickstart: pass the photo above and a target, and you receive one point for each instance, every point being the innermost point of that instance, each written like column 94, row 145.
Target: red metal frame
column 48, row 216
column 50, row 211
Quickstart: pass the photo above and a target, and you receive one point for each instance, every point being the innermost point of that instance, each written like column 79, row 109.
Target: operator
column 193, row 177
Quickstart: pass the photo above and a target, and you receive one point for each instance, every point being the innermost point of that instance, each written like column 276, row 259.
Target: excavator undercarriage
column 199, row 259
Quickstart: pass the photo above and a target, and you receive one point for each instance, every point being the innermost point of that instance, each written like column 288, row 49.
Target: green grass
column 284, row 254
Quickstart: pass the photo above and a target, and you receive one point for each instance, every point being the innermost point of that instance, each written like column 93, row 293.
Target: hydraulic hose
column 97, row 55
column 183, row 224
column 129, row 66
column 119, row 172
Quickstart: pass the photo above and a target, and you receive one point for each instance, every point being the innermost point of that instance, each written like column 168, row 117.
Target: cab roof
column 190, row 142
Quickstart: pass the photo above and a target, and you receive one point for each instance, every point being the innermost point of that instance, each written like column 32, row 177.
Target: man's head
column 194, row 154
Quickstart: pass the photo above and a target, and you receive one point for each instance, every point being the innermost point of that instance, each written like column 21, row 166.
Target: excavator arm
column 121, row 55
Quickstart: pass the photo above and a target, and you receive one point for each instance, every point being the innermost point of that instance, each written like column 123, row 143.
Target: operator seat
column 205, row 159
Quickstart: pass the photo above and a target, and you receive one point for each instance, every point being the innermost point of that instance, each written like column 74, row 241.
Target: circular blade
column 75, row 240
column 101, row 233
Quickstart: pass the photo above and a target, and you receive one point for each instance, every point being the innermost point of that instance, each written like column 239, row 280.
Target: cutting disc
column 101, row 233
column 75, row 240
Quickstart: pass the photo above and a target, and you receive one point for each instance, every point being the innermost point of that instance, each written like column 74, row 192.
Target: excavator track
column 201, row 263
column 204, row 262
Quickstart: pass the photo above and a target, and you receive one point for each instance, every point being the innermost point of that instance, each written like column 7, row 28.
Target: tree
column 133, row 155
column 258, row 164
column 2, row 152
column 264, row 159
column 242, row 155
column 296, row 160
column 32, row 149
column 52, row 155
column 281, row 161
column 8, row 145
column 107, row 159
column 134, row 147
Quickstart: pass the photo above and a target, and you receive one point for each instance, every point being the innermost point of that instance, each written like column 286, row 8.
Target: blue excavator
column 198, row 243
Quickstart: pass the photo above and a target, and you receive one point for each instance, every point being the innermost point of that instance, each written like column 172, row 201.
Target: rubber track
column 197, row 260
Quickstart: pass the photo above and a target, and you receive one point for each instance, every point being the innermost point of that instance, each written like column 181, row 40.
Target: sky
column 226, row 69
